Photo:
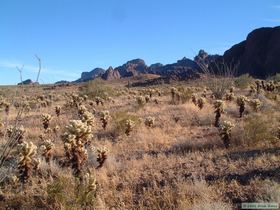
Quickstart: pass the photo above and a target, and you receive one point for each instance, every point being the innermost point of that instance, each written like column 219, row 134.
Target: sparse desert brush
column 150, row 121
column 225, row 132
column 256, row 104
column 104, row 118
column 258, row 129
column 219, row 109
column 27, row 162
column 243, row 81
column 97, row 88
column 46, row 118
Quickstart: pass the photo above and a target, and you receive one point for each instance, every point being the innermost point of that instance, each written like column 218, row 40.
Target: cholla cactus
column 141, row 101
column 173, row 94
column 4, row 104
column 278, row 133
column 200, row 102
column 98, row 101
column 88, row 118
column 16, row 133
column 27, row 161
column 46, row 148
column 219, row 109
column 231, row 89
column 129, row 124
column 194, row 99
column 104, row 118
column 46, row 118
column 58, row 110
column 101, row 156
column 229, row 96
column 149, row 121
column 225, row 132
column 77, row 135
column 241, row 103
column 147, row 98
column 56, row 129
column 81, row 109
column 256, row 104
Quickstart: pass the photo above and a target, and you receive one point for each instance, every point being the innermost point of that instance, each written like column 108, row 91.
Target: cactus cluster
column 47, row 149
column 241, row 100
column 225, row 132
column 78, row 134
column 26, row 162
column 129, row 125
column 5, row 105
column 200, row 102
column 256, row 104
column 141, row 101
column 101, row 156
column 219, row 109
column 150, row 121
column 57, row 110
column 104, row 118
column 46, row 118
column 98, row 101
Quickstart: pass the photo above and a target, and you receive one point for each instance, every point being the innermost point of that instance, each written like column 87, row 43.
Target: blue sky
column 71, row 36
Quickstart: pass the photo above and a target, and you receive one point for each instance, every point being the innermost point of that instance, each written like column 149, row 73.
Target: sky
column 72, row 36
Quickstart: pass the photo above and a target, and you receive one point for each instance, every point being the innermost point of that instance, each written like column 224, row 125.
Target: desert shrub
column 97, row 88
column 257, row 129
column 276, row 77
column 243, row 81
column 120, row 120
column 218, row 85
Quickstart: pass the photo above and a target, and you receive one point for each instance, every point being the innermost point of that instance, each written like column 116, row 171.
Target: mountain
column 111, row 74
column 258, row 55
column 86, row 76
column 182, row 69
column 27, row 82
column 132, row 68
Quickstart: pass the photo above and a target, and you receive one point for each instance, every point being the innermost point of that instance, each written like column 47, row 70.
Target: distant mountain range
column 258, row 55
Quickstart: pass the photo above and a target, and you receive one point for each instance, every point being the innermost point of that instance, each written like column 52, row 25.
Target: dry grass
column 178, row 163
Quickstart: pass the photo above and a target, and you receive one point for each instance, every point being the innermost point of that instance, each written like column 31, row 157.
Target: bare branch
column 39, row 70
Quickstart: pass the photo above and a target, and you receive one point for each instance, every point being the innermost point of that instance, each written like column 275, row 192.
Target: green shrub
column 120, row 120
column 257, row 129
column 243, row 81
column 97, row 88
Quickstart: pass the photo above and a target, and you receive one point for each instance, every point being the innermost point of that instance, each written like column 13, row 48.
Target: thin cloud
column 272, row 20
column 275, row 6
column 34, row 69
